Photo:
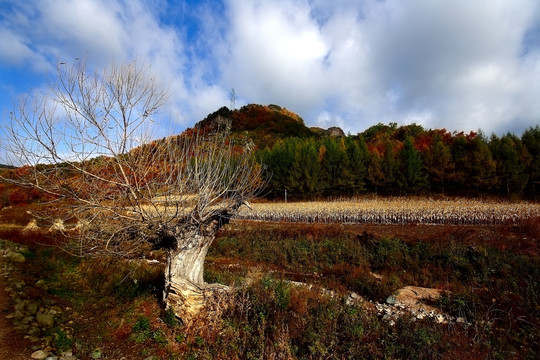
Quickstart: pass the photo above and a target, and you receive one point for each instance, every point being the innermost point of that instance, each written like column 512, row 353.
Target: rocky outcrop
column 333, row 131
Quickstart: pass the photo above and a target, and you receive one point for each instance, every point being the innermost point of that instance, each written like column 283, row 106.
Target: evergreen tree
column 439, row 162
column 413, row 176
column 511, row 160
column 480, row 168
column 331, row 165
column 357, row 156
column 305, row 169
column 531, row 141
column 390, row 167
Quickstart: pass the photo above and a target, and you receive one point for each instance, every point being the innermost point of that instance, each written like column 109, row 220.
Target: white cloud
column 454, row 64
column 13, row 50
column 457, row 64
column 276, row 53
column 100, row 31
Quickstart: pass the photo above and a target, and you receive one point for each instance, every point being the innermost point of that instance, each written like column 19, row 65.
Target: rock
column 49, row 302
column 39, row 354
column 42, row 285
column 68, row 358
column 33, row 339
column 47, row 340
column 33, row 331
column 391, row 300
column 46, row 320
column 27, row 320
column 15, row 257
column 15, row 315
column 32, row 307
column 439, row 318
column 20, row 305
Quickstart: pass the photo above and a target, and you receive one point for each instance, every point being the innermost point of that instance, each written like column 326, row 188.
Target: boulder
column 391, row 300
column 39, row 355
column 46, row 320
column 15, row 257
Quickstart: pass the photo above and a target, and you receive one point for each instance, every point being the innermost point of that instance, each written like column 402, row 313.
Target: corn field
column 395, row 211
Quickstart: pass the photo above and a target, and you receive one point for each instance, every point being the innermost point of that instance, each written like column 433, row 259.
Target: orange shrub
column 18, row 196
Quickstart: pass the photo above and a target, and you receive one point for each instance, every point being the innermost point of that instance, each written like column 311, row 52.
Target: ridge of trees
column 403, row 160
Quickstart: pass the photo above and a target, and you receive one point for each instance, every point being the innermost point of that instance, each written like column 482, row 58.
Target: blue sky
column 460, row 64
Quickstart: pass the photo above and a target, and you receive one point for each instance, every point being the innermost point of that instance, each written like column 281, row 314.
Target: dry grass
column 396, row 210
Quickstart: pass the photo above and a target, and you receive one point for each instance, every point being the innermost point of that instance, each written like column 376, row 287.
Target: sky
column 461, row 65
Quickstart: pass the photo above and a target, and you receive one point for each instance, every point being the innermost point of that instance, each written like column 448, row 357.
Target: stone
column 39, row 355
column 27, row 320
column 20, row 305
column 391, row 300
column 32, row 307
column 15, row 257
column 68, row 358
column 33, row 331
column 15, row 315
column 42, row 284
column 46, row 320
column 49, row 302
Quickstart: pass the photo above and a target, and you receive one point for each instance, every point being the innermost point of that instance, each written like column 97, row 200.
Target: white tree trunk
column 185, row 290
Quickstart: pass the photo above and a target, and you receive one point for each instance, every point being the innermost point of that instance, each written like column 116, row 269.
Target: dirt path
column 13, row 346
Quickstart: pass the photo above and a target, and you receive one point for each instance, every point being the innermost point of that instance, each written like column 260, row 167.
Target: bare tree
column 86, row 144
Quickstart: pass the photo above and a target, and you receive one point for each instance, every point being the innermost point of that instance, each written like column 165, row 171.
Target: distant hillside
column 263, row 124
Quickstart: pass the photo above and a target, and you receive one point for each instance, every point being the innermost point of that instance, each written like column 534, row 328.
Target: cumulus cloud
column 276, row 53
column 456, row 64
column 100, row 31
column 460, row 64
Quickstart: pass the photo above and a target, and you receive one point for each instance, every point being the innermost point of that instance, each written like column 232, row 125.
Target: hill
column 264, row 124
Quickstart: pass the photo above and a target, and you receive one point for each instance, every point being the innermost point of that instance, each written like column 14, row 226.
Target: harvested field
column 396, row 211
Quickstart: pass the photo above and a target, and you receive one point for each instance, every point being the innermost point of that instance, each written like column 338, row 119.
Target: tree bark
column 185, row 290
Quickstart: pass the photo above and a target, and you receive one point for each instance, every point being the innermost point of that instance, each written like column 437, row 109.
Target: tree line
column 392, row 160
